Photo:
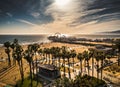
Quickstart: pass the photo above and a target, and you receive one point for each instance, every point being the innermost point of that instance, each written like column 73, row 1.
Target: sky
column 63, row 16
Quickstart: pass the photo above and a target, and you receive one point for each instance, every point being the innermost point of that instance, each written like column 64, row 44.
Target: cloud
column 78, row 15
column 27, row 22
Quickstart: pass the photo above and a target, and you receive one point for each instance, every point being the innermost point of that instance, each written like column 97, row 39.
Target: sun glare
column 62, row 2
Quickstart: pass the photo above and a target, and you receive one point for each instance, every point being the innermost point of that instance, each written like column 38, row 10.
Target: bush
column 84, row 81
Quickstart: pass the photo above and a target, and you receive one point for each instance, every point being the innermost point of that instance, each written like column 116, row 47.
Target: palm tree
column 45, row 51
column 80, row 58
column 52, row 50
column 102, row 58
column 73, row 55
column 57, row 51
column 48, row 52
column 92, row 56
column 63, row 57
column 35, row 49
column 97, row 57
column 17, row 54
column 28, row 56
column 68, row 55
column 59, row 56
column 40, row 52
column 30, row 48
column 87, row 58
column 7, row 51
column 13, row 45
column 117, row 46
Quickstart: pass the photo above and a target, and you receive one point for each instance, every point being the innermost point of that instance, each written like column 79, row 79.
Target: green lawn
column 27, row 83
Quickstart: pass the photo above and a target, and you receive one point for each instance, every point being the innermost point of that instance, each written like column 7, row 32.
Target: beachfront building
column 49, row 71
column 103, row 49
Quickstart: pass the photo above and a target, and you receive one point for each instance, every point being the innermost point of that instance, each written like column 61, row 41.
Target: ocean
column 28, row 39
column 24, row 39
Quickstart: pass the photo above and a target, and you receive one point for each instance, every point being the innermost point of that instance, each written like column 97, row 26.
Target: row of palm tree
column 53, row 53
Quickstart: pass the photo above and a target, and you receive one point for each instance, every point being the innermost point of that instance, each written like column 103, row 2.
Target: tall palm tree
column 73, row 55
column 17, row 54
column 13, row 45
column 57, row 51
column 80, row 58
column 31, row 51
column 117, row 46
column 92, row 56
column 49, row 53
column 28, row 56
column 53, row 51
column 97, row 57
column 68, row 56
column 45, row 51
column 102, row 58
column 87, row 58
column 63, row 57
column 7, row 51
column 35, row 49
column 40, row 52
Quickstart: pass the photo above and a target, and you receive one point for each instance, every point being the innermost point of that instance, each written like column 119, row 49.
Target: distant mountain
column 117, row 31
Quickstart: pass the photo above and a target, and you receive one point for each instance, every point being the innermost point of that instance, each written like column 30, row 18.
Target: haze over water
column 28, row 39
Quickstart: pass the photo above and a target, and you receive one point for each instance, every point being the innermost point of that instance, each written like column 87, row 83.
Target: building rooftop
column 48, row 66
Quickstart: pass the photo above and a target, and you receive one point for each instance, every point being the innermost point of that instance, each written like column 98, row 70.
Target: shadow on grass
column 27, row 82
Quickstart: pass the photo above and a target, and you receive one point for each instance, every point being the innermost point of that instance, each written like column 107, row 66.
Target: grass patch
column 27, row 83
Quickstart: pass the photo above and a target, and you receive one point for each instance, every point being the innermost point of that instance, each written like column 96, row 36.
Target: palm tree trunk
column 69, row 69
column 92, row 66
column 30, row 73
column 85, row 65
column 33, row 67
column 9, row 61
column 97, row 69
column 52, row 59
column 64, row 66
column 73, row 64
column 59, row 63
column 22, row 69
column 46, row 58
column 36, row 71
column 101, row 68
column 81, row 66
column 118, row 59
column 49, row 58
column 88, row 67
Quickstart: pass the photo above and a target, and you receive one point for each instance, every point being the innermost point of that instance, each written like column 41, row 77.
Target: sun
column 62, row 2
